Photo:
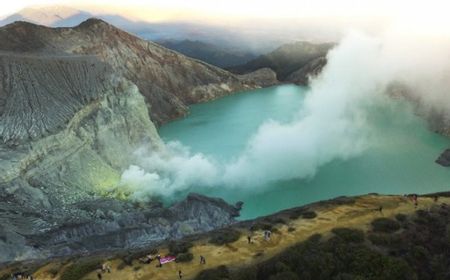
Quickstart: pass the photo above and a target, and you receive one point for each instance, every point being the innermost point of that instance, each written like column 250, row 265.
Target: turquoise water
column 402, row 161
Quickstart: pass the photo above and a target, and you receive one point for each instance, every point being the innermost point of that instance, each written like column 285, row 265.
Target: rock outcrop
column 70, row 119
column 308, row 71
column 444, row 158
column 169, row 81
column 287, row 59
column 264, row 77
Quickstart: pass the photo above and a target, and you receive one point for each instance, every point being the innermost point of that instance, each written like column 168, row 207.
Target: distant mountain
column 227, row 38
column 286, row 59
column 210, row 53
column 54, row 16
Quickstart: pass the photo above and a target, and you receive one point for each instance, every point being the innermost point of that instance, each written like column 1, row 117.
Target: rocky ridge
column 71, row 118
column 169, row 81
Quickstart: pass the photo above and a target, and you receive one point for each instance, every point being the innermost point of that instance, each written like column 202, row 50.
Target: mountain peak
column 93, row 22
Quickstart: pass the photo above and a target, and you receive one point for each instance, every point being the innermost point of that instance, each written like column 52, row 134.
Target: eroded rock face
column 308, row 71
column 444, row 158
column 69, row 127
column 264, row 77
column 169, row 81
column 74, row 107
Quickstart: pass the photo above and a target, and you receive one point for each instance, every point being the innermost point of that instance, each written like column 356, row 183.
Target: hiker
column 106, row 268
column 180, row 275
column 158, row 257
column 202, row 260
column 380, row 209
column 99, row 275
column 147, row 259
column 436, row 198
column 249, row 238
column 267, row 234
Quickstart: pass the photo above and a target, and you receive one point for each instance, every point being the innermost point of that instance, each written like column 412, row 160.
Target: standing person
column 249, row 238
column 99, row 275
column 436, row 198
column 158, row 257
column 202, row 260
column 180, row 274
column 380, row 209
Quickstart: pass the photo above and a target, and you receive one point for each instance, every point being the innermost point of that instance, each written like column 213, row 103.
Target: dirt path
column 357, row 215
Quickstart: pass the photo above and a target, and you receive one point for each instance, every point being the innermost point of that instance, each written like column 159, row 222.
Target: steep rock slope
column 210, row 53
column 311, row 69
column 169, row 81
column 286, row 59
column 68, row 127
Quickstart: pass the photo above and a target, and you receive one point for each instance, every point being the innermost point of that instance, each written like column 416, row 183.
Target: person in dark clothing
column 158, row 257
column 180, row 275
column 249, row 238
column 99, row 275
column 436, row 198
column 380, row 209
column 202, row 260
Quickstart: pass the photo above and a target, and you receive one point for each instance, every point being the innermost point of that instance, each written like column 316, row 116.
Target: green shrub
column 224, row 236
column 384, row 239
column 77, row 270
column 184, row 257
column 179, row 247
column 309, row 215
column 385, row 225
column 122, row 266
column 401, row 218
column 349, row 235
column 275, row 220
column 218, row 273
column 261, row 226
column 285, row 275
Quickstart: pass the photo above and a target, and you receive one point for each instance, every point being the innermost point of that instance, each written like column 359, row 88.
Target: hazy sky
column 168, row 9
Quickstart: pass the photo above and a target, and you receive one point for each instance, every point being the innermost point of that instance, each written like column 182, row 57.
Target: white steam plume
column 332, row 124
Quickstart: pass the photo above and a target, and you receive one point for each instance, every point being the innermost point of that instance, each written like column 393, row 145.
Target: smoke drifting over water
column 334, row 122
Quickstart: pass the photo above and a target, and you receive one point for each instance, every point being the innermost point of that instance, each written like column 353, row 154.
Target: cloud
column 333, row 124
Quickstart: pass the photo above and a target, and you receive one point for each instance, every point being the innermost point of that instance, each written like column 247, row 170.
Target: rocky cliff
column 299, row 57
column 169, row 81
column 71, row 117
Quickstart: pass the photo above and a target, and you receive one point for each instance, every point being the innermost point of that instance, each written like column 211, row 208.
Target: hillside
column 209, row 53
column 75, row 105
column 343, row 238
column 286, row 59
column 168, row 80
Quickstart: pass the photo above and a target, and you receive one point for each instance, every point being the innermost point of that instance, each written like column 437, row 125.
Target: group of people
column 105, row 268
column 147, row 259
column 21, row 276
column 267, row 235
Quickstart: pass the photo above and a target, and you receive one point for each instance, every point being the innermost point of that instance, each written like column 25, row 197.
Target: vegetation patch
column 385, row 225
column 309, row 215
column 219, row 273
column 224, row 236
column 420, row 251
column 184, row 257
column 77, row 270
column 401, row 218
column 349, row 234
column 179, row 247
